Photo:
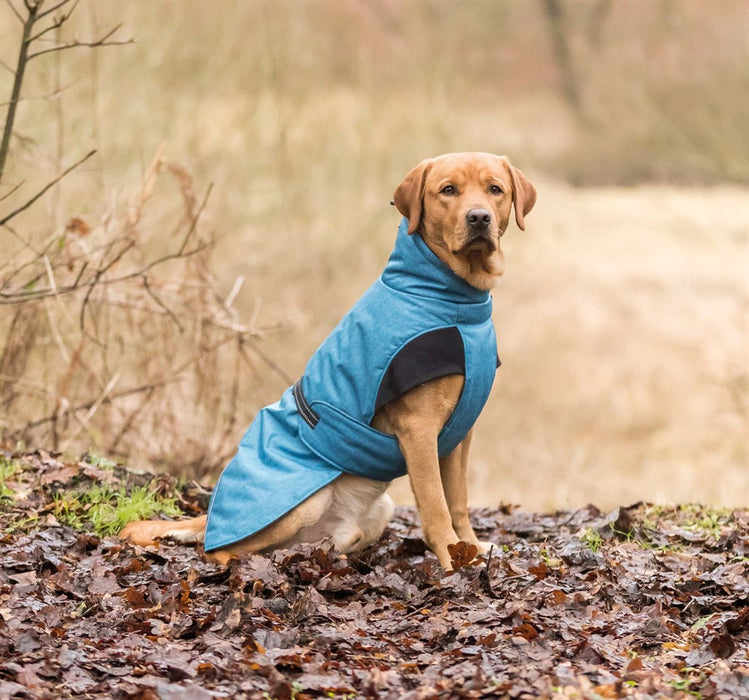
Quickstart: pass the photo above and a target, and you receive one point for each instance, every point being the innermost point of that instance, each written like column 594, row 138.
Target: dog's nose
column 478, row 219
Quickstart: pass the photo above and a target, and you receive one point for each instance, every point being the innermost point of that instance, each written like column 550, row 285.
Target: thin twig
column 85, row 406
column 15, row 94
column 8, row 194
column 97, row 403
column 97, row 277
column 240, row 331
column 194, row 222
column 89, row 44
column 52, row 9
column 166, row 309
column 16, row 297
column 55, row 331
column 46, row 97
column 38, row 254
column 45, row 188
column 40, row 389
column 56, row 24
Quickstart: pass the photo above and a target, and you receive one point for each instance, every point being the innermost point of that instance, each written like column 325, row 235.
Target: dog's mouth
column 477, row 244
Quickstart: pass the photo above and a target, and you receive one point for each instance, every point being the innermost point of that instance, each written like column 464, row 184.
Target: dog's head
column 460, row 204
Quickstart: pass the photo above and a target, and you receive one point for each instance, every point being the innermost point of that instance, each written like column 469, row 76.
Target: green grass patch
column 591, row 539
column 106, row 511
column 706, row 519
column 8, row 469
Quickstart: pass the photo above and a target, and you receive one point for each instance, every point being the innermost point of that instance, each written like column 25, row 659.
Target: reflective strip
column 310, row 417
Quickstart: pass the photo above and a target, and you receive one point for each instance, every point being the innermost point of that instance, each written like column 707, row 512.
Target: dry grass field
column 623, row 318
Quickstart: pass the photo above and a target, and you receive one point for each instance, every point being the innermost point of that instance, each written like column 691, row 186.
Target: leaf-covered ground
column 642, row 602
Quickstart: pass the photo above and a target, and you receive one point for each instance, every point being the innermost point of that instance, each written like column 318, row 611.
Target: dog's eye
column 448, row 189
column 495, row 189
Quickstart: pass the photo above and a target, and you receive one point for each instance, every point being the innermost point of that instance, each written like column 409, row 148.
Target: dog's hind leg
column 287, row 530
column 358, row 514
column 373, row 522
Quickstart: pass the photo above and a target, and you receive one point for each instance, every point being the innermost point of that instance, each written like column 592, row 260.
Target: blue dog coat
column 417, row 322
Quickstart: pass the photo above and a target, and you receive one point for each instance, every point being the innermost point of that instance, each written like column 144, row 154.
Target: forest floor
column 645, row 601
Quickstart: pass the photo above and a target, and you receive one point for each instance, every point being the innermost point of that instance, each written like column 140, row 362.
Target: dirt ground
column 641, row 602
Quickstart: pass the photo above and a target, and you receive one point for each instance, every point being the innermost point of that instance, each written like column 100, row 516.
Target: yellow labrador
column 459, row 204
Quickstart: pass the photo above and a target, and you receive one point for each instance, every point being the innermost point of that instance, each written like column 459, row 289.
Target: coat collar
column 414, row 269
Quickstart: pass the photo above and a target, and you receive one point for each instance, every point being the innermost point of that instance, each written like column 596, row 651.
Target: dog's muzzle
column 479, row 231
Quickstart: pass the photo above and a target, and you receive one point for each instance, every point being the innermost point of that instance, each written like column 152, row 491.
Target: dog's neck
column 479, row 268
column 415, row 267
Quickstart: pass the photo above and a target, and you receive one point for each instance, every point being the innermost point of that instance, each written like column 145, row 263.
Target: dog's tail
column 147, row 532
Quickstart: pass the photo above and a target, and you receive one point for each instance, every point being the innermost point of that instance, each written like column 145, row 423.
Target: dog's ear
column 409, row 195
column 523, row 195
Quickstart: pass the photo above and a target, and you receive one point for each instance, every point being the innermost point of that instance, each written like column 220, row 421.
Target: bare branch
column 16, row 297
column 54, row 8
column 15, row 94
column 8, row 194
column 90, row 44
column 97, row 277
column 166, row 309
column 45, row 188
column 97, row 403
column 195, row 218
column 64, row 17
column 86, row 406
column 240, row 331
column 38, row 255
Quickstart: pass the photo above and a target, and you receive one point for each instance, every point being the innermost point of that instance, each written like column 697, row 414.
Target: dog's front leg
column 453, row 470
column 420, row 452
column 416, row 419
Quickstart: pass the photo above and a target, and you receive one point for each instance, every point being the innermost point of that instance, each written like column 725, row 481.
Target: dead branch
column 23, row 51
column 52, row 9
column 88, row 44
column 28, row 296
column 97, row 276
column 56, row 24
column 87, row 405
column 155, row 321
column 161, row 304
column 41, row 192
column 14, row 189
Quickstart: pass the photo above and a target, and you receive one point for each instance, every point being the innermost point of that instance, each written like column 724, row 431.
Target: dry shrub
column 117, row 337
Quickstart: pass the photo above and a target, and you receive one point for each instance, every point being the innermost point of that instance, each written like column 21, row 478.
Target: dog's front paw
column 485, row 547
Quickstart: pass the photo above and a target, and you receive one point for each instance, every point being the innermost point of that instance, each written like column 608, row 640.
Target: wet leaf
column 462, row 554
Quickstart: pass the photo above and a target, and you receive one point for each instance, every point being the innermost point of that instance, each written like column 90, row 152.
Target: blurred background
column 271, row 135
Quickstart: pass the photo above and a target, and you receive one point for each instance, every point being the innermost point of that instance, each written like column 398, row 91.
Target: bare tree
column 38, row 22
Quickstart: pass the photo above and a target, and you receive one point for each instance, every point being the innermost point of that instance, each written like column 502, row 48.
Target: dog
column 394, row 389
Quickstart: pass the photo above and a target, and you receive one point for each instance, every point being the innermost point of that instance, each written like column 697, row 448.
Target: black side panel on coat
column 430, row 356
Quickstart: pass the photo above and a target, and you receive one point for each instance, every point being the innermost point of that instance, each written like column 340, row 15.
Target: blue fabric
column 282, row 459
